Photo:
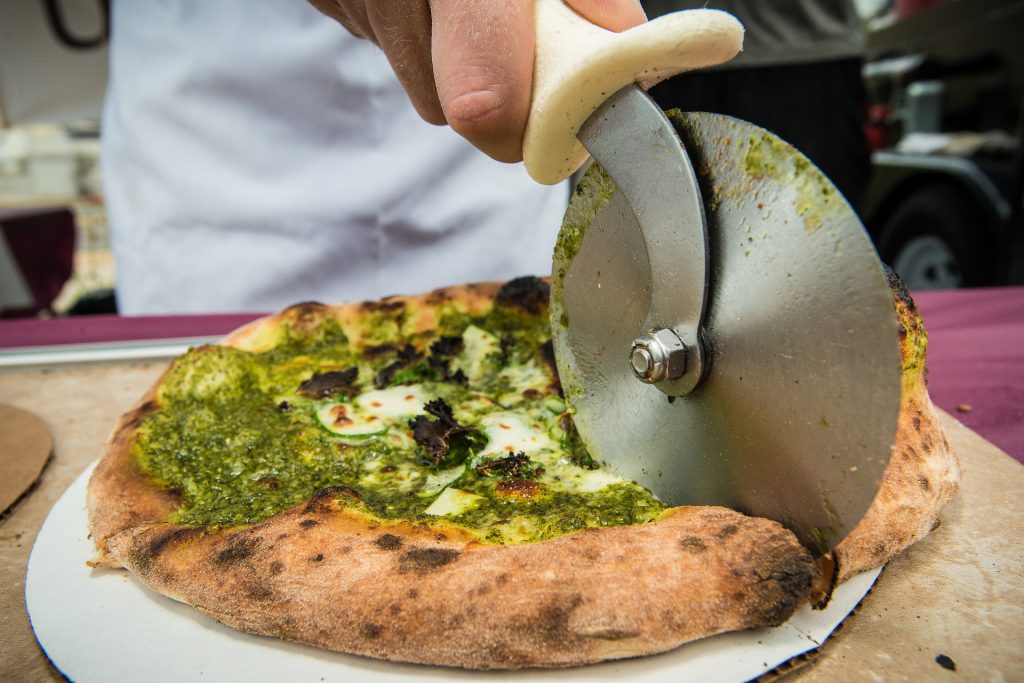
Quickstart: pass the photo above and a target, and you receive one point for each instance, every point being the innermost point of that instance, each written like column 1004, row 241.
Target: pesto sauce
column 238, row 442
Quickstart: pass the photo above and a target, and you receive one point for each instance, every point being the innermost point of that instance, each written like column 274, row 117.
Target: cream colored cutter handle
column 578, row 65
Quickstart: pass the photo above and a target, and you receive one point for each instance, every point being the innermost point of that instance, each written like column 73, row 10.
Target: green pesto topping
column 462, row 425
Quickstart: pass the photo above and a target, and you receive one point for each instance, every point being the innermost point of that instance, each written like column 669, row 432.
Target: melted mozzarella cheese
column 453, row 502
column 393, row 402
column 437, row 481
column 373, row 413
column 588, row 481
column 528, row 375
column 510, row 433
column 477, row 345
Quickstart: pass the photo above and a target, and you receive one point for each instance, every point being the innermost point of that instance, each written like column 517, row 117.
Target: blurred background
column 939, row 111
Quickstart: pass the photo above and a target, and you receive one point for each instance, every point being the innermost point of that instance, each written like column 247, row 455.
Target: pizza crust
column 327, row 575
column 923, row 473
column 324, row 575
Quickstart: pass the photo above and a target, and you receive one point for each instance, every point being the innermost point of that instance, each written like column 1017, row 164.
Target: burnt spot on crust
column 789, row 580
column 520, row 489
column 917, row 422
column 307, row 523
column 140, row 414
column 693, row 544
column 412, row 593
column 237, row 549
column 388, row 542
column 898, row 287
column 528, row 293
column 386, row 305
column 304, row 316
column 325, row 500
column 726, row 531
column 370, row 631
column 553, row 620
column 175, row 536
column 257, row 591
column 925, row 484
column 141, row 556
column 425, row 560
column 438, row 297
column 327, row 384
column 276, row 567
column 319, row 557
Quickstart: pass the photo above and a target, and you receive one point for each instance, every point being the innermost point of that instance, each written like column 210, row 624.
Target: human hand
column 467, row 63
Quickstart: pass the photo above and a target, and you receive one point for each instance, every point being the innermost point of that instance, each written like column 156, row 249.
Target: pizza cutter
column 723, row 327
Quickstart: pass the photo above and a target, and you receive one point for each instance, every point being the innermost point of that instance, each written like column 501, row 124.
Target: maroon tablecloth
column 975, row 359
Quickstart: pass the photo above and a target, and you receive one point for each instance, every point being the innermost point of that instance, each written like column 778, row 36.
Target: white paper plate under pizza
column 97, row 623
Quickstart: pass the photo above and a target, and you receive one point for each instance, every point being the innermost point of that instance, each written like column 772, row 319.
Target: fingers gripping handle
column 578, row 65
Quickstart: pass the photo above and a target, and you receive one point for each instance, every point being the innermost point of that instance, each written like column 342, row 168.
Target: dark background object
column 42, row 244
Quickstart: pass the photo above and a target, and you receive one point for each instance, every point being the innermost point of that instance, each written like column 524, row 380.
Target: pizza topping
column 328, row 384
column 372, row 413
column 453, row 502
column 378, row 350
column 437, row 481
column 523, row 489
column 478, row 346
column 516, row 465
column 446, row 442
column 469, row 429
column 509, row 433
column 446, row 346
column 402, row 371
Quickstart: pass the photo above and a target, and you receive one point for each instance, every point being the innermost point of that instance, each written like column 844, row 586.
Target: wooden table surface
column 958, row 593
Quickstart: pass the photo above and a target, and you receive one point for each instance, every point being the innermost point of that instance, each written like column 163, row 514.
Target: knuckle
column 479, row 111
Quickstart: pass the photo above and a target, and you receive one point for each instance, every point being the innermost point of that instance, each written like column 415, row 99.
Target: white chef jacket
column 255, row 155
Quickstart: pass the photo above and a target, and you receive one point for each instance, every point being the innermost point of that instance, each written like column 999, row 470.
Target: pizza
column 402, row 479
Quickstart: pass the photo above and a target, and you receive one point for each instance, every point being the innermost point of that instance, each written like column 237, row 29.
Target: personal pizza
column 402, row 479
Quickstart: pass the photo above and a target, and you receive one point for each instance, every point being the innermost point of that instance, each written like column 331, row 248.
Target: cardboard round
column 25, row 448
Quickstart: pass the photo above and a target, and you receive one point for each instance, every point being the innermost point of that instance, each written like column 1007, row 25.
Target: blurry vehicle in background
column 946, row 90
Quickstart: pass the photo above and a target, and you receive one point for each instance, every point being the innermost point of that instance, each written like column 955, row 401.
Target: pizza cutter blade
column 725, row 336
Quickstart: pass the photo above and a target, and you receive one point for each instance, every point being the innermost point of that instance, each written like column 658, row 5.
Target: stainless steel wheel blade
column 796, row 411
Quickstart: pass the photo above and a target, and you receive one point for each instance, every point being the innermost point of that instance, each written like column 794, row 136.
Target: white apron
column 256, row 155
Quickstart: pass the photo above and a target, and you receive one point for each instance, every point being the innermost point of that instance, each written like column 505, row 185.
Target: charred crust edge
column 528, row 293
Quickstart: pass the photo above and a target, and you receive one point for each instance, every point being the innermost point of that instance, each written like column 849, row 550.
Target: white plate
column 99, row 625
